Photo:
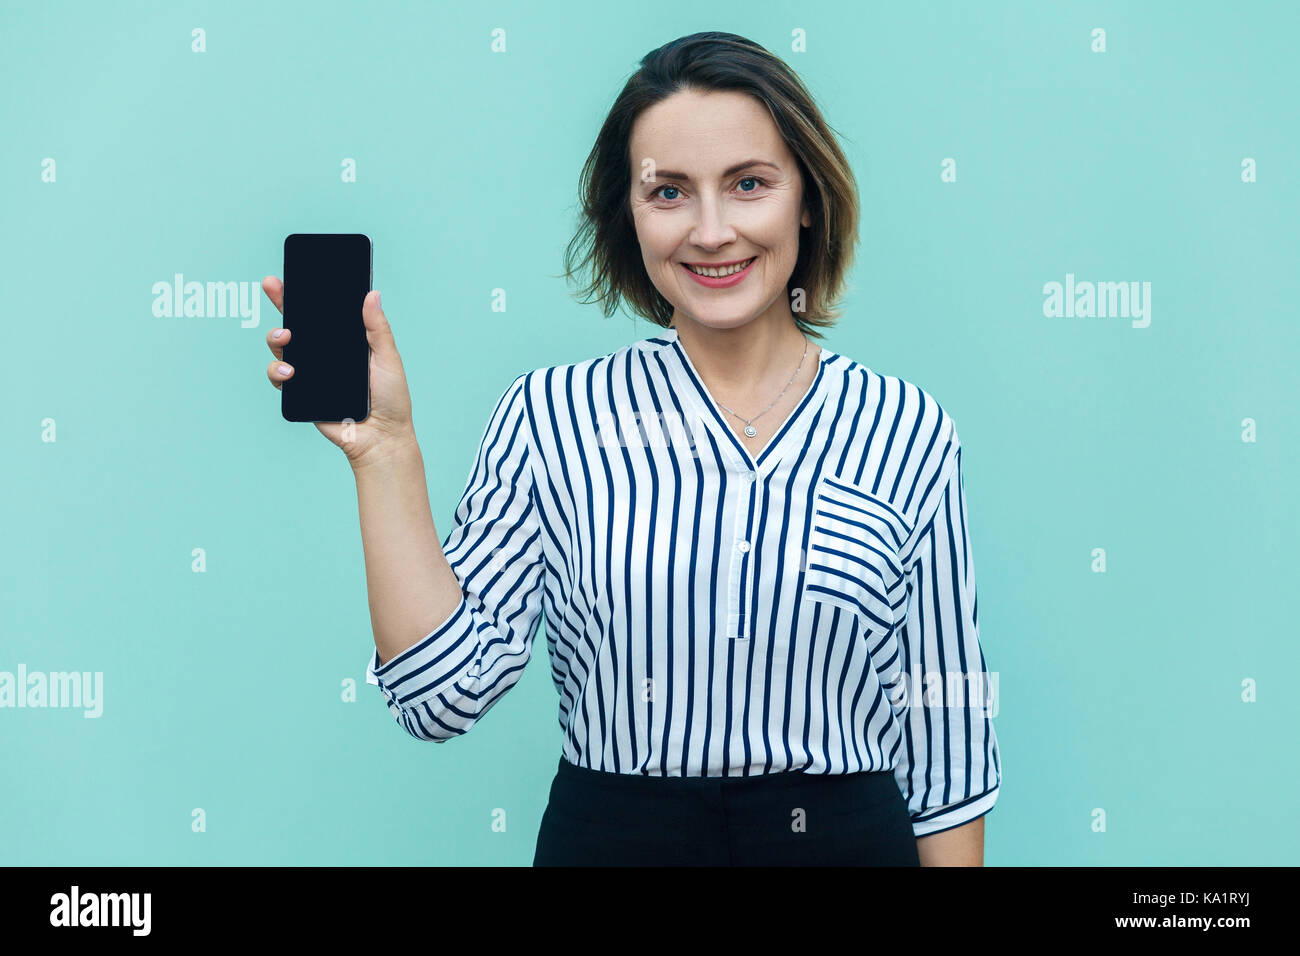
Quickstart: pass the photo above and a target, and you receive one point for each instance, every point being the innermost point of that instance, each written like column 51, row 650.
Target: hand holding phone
column 356, row 394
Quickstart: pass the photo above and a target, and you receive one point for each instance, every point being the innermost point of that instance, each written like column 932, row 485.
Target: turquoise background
column 222, row 690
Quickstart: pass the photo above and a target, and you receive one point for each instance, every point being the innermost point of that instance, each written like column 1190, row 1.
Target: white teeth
column 720, row 273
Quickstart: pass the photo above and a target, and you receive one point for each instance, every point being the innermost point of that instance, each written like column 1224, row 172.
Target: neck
column 747, row 360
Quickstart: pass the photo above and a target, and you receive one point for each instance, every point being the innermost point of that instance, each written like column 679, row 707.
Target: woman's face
column 696, row 198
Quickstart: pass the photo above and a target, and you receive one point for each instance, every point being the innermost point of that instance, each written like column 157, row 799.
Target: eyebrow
column 670, row 174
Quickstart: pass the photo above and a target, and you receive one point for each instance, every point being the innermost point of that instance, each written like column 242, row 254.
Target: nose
column 711, row 228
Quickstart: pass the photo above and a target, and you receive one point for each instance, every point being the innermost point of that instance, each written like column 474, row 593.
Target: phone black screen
column 326, row 278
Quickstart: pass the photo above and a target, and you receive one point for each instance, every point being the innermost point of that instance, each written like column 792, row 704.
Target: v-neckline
column 700, row 396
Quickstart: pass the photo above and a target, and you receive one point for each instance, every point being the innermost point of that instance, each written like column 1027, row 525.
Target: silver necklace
column 750, row 430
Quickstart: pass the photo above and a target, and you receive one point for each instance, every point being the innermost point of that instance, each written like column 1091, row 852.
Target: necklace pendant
column 751, row 431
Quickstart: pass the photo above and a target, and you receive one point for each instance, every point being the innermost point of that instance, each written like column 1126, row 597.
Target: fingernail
column 284, row 370
column 277, row 333
column 378, row 296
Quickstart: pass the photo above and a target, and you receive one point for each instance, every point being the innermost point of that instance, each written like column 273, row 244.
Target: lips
column 721, row 282
column 717, row 265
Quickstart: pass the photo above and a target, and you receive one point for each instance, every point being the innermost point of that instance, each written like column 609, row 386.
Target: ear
column 806, row 218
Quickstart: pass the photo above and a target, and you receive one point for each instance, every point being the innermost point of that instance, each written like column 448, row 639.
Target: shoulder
column 906, row 440
column 570, row 380
column 911, row 443
column 907, row 409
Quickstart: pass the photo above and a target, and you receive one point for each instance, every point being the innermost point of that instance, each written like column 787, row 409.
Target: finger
column 274, row 290
column 276, row 340
column 277, row 372
column 378, row 332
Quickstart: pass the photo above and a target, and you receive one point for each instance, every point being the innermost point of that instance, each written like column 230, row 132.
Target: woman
column 751, row 551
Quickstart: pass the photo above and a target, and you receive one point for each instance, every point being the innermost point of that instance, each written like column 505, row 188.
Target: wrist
column 398, row 448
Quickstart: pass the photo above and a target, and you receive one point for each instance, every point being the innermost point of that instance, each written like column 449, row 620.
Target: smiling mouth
column 720, row 272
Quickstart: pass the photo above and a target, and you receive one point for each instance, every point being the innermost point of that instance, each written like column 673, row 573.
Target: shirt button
column 751, row 476
column 743, row 546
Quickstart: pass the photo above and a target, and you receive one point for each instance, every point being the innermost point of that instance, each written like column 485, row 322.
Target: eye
column 744, row 179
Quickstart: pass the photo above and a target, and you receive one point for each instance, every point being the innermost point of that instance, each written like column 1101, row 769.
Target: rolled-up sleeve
column 949, row 770
column 439, row 687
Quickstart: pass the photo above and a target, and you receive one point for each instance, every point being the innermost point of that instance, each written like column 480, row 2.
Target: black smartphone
column 326, row 278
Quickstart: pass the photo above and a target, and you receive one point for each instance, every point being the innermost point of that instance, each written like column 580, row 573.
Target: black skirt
column 599, row 818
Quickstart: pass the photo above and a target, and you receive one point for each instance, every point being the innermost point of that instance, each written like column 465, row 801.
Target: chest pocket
column 853, row 547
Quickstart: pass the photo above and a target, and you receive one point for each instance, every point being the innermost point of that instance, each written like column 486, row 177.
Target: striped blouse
column 712, row 612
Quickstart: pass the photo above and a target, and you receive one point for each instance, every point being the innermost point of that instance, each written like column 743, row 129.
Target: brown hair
column 606, row 237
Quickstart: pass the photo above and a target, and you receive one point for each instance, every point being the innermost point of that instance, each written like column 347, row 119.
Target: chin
column 719, row 322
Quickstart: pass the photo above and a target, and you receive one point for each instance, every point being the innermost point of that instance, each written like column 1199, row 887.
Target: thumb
column 378, row 332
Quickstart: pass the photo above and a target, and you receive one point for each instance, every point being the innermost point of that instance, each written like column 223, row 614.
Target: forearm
column 411, row 586
column 960, row 846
